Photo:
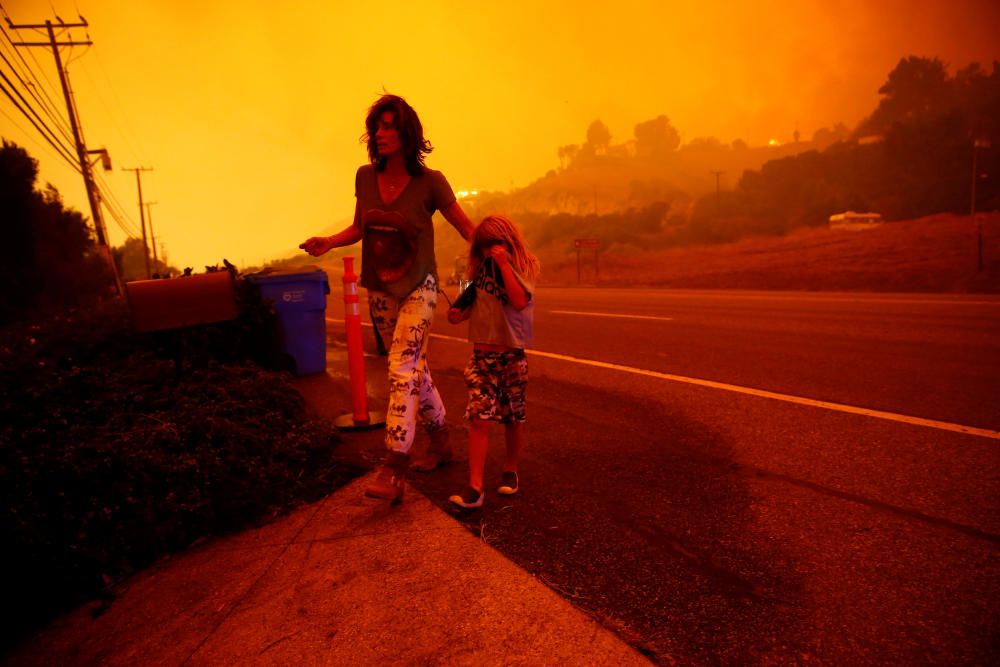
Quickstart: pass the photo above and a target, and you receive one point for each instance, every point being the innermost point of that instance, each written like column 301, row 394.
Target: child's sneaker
column 470, row 498
column 508, row 485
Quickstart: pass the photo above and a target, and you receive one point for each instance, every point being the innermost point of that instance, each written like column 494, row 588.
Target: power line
column 62, row 150
column 30, row 86
column 114, row 118
column 51, row 104
column 114, row 206
column 130, row 233
column 111, row 199
column 121, row 220
column 122, row 224
column 27, row 104
column 114, row 199
column 106, row 194
column 128, row 125
column 31, row 137
column 99, row 192
column 29, row 73
column 152, row 234
column 83, row 155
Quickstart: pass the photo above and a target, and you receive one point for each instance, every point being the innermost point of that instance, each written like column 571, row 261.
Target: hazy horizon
column 250, row 117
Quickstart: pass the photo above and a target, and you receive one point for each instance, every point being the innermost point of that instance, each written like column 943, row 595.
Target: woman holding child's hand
column 396, row 196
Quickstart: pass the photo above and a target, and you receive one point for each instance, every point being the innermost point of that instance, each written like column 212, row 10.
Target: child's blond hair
column 499, row 229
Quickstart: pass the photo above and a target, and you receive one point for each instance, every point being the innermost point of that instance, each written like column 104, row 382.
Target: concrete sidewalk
column 346, row 580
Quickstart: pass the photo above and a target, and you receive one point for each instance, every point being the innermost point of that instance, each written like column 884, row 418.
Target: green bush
column 108, row 459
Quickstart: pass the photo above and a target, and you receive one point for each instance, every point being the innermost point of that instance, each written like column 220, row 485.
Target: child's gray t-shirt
column 493, row 320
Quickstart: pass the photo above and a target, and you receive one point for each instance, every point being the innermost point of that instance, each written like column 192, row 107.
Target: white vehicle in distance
column 854, row 221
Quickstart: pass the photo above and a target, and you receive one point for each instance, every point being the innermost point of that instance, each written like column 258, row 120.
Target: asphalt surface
column 707, row 525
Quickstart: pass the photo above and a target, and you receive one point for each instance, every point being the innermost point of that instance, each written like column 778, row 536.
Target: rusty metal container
column 181, row 302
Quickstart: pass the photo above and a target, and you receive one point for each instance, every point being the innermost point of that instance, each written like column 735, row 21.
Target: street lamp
column 103, row 157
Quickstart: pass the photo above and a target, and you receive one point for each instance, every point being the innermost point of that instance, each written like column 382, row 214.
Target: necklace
column 391, row 186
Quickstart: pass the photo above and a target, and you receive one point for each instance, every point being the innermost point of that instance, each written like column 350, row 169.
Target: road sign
column 588, row 244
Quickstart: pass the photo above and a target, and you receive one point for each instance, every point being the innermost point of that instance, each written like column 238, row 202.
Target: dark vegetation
column 110, row 458
column 48, row 260
column 131, row 262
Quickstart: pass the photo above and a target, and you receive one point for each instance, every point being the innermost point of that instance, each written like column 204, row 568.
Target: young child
column 503, row 274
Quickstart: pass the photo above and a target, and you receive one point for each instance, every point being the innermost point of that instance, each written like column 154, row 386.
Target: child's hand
column 455, row 315
column 499, row 253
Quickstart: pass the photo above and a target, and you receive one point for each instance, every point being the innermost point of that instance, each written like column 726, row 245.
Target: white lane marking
column 629, row 317
column 811, row 297
column 788, row 398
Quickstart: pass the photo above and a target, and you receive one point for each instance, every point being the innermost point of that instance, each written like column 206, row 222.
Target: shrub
column 108, row 460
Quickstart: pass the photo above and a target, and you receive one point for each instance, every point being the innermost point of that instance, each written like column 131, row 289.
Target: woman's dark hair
column 411, row 133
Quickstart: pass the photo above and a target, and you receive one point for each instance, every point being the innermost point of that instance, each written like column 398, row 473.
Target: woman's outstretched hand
column 317, row 245
column 455, row 315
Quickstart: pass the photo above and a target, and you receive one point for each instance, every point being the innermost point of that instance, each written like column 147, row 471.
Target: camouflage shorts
column 497, row 382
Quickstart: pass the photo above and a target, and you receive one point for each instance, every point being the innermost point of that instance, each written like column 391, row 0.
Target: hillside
column 932, row 254
column 620, row 179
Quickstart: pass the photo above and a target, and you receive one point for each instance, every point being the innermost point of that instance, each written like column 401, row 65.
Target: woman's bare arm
column 459, row 220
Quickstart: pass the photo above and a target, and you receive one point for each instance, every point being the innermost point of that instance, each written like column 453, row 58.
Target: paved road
column 933, row 356
column 711, row 524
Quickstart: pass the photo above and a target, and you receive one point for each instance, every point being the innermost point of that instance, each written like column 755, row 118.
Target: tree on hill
column 916, row 87
column 49, row 259
column 130, row 258
column 598, row 137
column 825, row 137
column 567, row 154
column 656, row 137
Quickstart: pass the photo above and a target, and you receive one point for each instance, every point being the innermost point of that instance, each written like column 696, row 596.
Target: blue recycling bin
column 299, row 296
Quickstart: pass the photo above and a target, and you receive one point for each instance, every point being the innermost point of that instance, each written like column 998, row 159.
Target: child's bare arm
column 515, row 292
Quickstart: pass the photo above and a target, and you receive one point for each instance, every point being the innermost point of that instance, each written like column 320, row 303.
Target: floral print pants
column 413, row 397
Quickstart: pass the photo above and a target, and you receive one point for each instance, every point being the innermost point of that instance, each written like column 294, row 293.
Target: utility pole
column 972, row 206
column 83, row 155
column 718, row 205
column 152, row 234
column 142, row 213
column 977, row 144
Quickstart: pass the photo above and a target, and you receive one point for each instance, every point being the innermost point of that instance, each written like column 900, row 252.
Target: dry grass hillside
column 932, row 254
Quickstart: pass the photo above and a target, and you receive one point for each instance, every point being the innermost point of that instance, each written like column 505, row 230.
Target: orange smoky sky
column 249, row 113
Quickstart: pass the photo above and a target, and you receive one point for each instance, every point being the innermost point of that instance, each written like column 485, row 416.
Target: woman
column 396, row 197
